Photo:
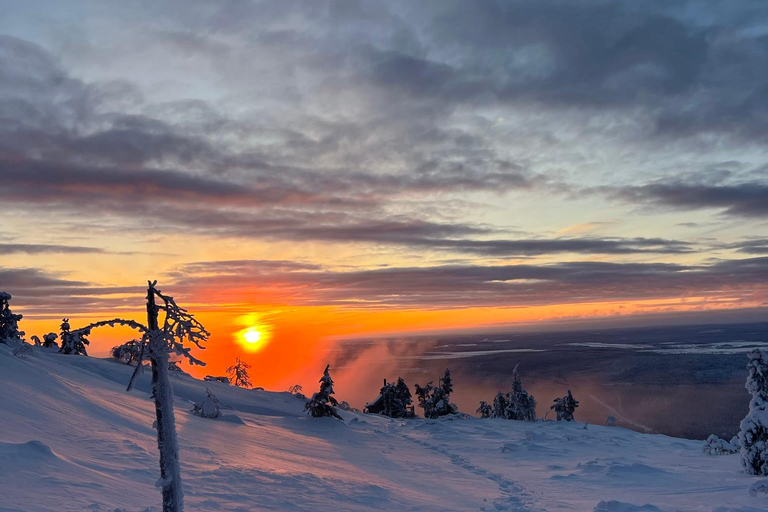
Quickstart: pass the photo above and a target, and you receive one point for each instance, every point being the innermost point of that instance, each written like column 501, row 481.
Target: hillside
column 72, row 439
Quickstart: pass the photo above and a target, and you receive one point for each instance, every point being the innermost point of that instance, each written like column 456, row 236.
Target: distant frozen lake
column 678, row 380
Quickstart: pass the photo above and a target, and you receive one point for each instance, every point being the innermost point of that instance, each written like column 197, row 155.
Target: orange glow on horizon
column 288, row 344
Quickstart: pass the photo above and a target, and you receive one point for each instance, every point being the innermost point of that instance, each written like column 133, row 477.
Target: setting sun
column 252, row 336
column 255, row 335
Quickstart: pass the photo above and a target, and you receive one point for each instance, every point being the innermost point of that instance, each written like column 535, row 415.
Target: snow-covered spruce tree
column 403, row 392
column 436, row 400
column 238, row 374
column 499, row 406
column 446, row 384
column 393, row 400
column 128, row 353
column 9, row 322
column 49, row 340
column 484, row 410
column 520, row 404
column 753, row 435
column 565, row 407
column 159, row 339
column 73, row 342
column 208, row 408
column 515, row 405
column 322, row 403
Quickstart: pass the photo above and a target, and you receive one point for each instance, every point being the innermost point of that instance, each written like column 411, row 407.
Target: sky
column 316, row 170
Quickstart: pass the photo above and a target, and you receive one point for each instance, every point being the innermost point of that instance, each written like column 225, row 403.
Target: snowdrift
column 72, row 439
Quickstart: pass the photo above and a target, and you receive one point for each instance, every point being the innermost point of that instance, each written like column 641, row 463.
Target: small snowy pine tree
column 9, row 322
column 238, row 374
column 446, row 384
column 516, row 405
column 322, row 403
column 404, row 394
column 753, row 435
column 49, row 340
column 393, row 400
column 73, row 342
column 565, row 407
column 208, row 408
column 484, row 410
column 499, row 407
column 392, row 406
column 436, row 400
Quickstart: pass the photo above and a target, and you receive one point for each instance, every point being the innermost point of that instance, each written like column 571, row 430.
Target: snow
column 72, row 439
column 475, row 353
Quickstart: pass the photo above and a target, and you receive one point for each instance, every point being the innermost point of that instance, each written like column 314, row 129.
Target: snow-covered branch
column 111, row 323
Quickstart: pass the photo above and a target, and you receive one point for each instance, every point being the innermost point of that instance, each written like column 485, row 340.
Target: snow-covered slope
column 72, row 439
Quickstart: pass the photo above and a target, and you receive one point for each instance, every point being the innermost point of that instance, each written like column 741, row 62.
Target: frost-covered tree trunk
column 157, row 343
column 162, row 393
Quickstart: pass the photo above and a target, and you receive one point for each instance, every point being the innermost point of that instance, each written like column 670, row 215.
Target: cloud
column 39, row 293
column 750, row 246
column 336, row 122
column 738, row 200
column 475, row 285
column 7, row 248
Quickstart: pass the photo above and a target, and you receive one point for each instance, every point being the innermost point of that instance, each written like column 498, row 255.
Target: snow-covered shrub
column 9, row 322
column 393, row 400
column 759, row 487
column 208, row 408
column 565, row 407
column 23, row 351
column 295, row 390
column 238, row 374
column 73, row 342
column 515, row 405
column 345, row 406
column 128, row 353
column 49, row 340
column 754, row 427
column 322, row 403
column 484, row 410
column 436, row 400
column 714, row 445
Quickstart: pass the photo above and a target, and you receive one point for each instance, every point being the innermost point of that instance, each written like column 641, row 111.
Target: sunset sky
column 311, row 170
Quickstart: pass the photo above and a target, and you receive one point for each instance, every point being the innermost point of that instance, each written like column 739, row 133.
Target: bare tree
column 158, row 340
column 238, row 374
